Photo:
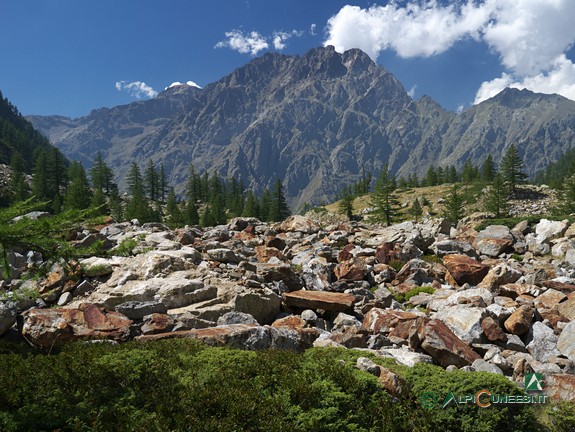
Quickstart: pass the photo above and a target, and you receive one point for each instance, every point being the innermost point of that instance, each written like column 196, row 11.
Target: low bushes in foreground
column 185, row 386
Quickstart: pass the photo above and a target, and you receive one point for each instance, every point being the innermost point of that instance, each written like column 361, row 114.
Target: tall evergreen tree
column 19, row 189
column 488, row 170
column 115, row 204
column 40, row 188
column 279, row 209
column 453, row 206
column 346, row 203
column 512, row 168
column 416, row 210
column 102, row 175
column 496, row 199
column 162, row 184
column 251, row 207
column 430, row 178
column 468, row 173
column 137, row 207
column 78, row 194
column 152, row 181
column 383, row 199
column 191, row 216
column 265, row 205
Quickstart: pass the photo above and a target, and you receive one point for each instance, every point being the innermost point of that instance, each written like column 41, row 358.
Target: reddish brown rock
column 387, row 252
column 513, row 290
column 337, row 302
column 391, row 382
column 384, row 320
column 353, row 269
column 549, row 299
column 464, row 269
column 559, row 286
column 493, row 330
column 157, row 323
column 53, row 280
column 567, row 309
column 519, row 322
column 293, row 322
column 351, row 337
column 345, row 254
column 560, row 387
column 46, row 327
column 264, row 253
column 443, row 345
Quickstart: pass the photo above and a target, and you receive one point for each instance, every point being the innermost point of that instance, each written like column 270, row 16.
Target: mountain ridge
column 316, row 121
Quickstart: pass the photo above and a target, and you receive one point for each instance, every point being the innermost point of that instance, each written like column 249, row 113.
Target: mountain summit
column 316, row 121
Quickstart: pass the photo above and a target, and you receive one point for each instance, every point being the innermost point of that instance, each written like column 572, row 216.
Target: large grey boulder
column 566, row 341
column 464, row 321
column 8, row 313
column 542, row 342
column 494, row 240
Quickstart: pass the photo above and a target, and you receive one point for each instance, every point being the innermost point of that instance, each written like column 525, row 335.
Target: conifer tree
column 279, row 209
column 452, row 175
column 18, row 186
column 78, row 194
column 191, row 216
column 40, row 188
column 346, row 203
column 416, row 210
column 383, row 199
column 430, row 178
column 251, row 207
column 488, row 170
column 102, row 175
column 115, row 204
column 453, row 206
column 496, row 199
column 265, row 205
column 137, row 207
column 162, row 184
column 468, row 173
column 152, row 181
column 512, row 169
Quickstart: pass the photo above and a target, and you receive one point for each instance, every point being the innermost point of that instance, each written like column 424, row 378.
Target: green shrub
column 125, row 248
column 403, row 297
column 182, row 385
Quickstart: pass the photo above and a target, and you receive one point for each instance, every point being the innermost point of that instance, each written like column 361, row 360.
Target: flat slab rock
column 337, row 302
column 245, row 336
column 45, row 327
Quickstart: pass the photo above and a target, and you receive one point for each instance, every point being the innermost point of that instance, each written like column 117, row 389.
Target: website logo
column 534, row 382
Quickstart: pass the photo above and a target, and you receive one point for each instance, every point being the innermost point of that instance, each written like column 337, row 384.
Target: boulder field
column 498, row 300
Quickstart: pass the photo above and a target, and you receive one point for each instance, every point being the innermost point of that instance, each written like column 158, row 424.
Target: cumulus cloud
column 411, row 92
column 254, row 42
column 236, row 40
column 137, row 89
column 530, row 36
column 312, row 29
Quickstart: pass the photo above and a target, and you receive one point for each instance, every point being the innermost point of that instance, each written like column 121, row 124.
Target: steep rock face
column 315, row 121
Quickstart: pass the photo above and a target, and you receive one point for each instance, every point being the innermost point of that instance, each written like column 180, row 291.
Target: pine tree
column 18, row 186
column 162, row 184
column 251, row 207
column 265, row 205
column 99, row 201
column 173, row 213
column 430, row 178
column 40, row 178
column 346, row 203
column 512, row 168
column 453, row 206
column 152, row 181
column 468, row 173
column 193, row 186
column 279, row 209
column 496, row 199
column 207, row 218
column 137, row 207
column 416, row 210
column 115, row 204
column 78, row 194
column 452, row 175
column 384, row 201
column 191, row 216
column 101, row 175
column 488, row 170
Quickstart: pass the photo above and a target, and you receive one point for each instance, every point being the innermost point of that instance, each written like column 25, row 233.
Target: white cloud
column 188, row 83
column 137, row 89
column 251, row 43
column 411, row 92
column 254, row 42
column 279, row 38
column 559, row 79
column 530, row 36
column 312, row 29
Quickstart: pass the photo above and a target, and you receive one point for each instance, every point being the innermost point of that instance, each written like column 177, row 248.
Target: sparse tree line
column 210, row 199
column 502, row 186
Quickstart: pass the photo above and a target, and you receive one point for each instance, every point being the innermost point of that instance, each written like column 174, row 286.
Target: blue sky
column 71, row 56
